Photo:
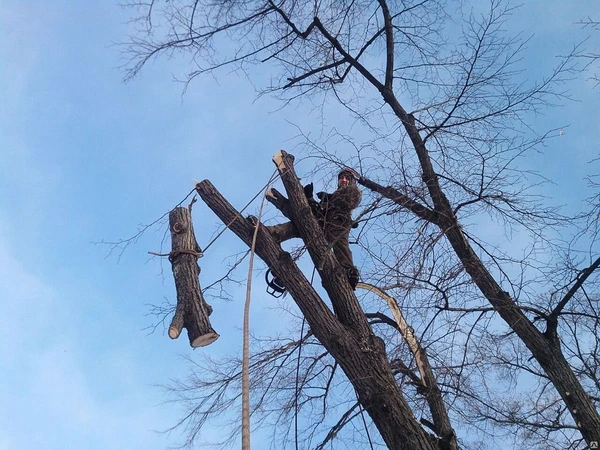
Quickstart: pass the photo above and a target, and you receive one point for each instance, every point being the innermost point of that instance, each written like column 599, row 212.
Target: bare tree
column 510, row 333
column 592, row 57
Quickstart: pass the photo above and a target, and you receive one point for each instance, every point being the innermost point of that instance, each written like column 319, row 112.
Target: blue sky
column 85, row 157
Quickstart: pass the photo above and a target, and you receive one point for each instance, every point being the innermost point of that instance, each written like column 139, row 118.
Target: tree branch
column 401, row 199
column 581, row 278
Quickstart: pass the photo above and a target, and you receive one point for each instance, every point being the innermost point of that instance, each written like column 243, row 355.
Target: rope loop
column 175, row 254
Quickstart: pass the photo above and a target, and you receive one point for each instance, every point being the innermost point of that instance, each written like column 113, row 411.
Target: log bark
column 192, row 311
column 345, row 334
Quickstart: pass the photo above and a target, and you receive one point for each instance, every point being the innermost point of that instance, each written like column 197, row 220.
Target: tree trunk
column 345, row 334
column 192, row 310
column 544, row 347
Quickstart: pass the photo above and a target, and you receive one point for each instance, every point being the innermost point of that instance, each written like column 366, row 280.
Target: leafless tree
column 503, row 303
column 593, row 56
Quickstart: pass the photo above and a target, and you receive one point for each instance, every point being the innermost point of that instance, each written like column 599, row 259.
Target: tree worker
column 334, row 214
column 336, row 210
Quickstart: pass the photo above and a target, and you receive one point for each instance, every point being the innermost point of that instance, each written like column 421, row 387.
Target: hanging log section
column 192, row 311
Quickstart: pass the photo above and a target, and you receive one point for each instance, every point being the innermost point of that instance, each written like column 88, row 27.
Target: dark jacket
column 336, row 208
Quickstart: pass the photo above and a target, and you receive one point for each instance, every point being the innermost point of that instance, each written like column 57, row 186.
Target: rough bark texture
column 345, row 334
column 192, row 310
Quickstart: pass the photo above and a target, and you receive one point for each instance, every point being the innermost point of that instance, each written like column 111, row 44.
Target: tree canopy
column 498, row 285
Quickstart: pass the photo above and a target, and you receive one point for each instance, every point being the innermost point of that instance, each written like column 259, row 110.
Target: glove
column 308, row 190
column 323, row 196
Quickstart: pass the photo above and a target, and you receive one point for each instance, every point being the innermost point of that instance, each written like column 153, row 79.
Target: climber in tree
column 334, row 214
column 336, row 219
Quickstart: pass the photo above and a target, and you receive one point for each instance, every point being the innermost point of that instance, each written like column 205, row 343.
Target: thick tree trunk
column 346, row 335
column 545, row 348
column 192, row 310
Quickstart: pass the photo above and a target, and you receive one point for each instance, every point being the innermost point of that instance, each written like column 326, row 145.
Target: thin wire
column 241, row 211
column 298, row 370
column 362, row 415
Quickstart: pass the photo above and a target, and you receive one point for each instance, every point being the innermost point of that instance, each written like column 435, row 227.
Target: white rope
column 246, row 332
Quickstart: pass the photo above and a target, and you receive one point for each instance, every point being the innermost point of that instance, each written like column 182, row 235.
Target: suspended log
column 192, row 311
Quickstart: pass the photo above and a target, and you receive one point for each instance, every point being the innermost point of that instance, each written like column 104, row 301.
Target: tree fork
column 192, row 311
column 360, row 354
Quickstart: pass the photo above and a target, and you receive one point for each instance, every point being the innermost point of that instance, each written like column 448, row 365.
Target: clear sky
column 85, row 157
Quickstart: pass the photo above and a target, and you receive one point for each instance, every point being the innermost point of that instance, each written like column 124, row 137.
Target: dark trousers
column 337, row 236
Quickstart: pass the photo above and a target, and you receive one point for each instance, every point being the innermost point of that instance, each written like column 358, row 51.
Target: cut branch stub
column 192, row 310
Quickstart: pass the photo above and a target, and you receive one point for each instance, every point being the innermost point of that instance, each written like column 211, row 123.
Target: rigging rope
column 202, row 249
column 362, row 415
column 246, row 329
column 263, row 189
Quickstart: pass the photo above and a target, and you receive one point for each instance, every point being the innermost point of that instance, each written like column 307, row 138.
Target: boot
column 353, row 277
